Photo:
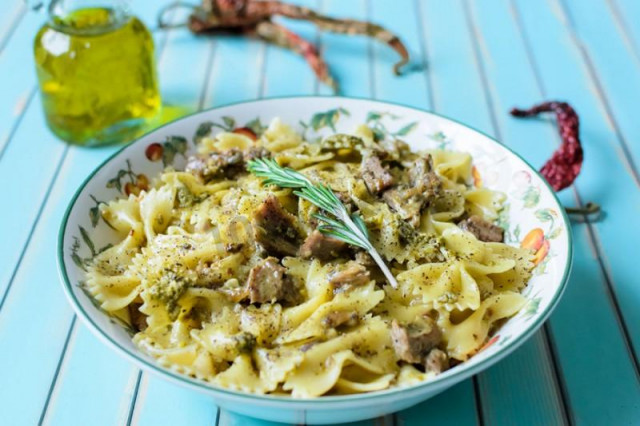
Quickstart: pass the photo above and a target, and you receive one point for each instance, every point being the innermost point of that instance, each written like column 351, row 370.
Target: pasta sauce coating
column 228, row 280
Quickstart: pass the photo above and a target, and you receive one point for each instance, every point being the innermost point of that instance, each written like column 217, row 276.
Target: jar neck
column 87, row 17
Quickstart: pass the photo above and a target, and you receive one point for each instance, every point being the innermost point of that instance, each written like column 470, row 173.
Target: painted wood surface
column 471, row 60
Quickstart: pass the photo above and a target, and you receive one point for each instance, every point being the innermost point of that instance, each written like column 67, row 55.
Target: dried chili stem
column 589, row 209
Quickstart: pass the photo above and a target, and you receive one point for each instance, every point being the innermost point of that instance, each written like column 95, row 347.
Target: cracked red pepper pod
column 564, row 165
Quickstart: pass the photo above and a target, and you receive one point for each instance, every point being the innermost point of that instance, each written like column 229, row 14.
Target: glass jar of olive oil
column 96, row 71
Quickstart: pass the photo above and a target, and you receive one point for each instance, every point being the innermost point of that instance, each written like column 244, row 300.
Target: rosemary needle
column 336, row 221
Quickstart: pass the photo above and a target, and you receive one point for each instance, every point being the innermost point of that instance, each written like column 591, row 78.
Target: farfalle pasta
column 229, row 280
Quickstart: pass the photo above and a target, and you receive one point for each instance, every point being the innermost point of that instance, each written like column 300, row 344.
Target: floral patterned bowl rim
column 538, row 310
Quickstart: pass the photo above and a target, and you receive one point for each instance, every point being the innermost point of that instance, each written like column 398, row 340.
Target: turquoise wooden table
column 473, row 60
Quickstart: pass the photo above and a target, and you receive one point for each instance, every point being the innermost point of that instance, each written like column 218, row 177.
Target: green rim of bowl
column 449, row 375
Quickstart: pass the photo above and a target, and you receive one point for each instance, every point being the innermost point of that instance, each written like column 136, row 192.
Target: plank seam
column 426, row 69
column 201, row 101
column 593, row 238
column 623, row 28
column 478, row 394
column 16, row 123
column 204, row 96
column 549, row 340
column 217, row 417
column 477, row 57
column 140, row 398
column 134, row 398
column 54, row 380
column 262, row 66
column 165, row 39
column 490, row 107
column 551, row 348
column 613, row 299
column 494, row 121
column 14, row 25
column 371, row 54
column 604, row 100
column 46, row 198
column 392, row 419
column 611, row 292
column 63, row 353
column 33, row 227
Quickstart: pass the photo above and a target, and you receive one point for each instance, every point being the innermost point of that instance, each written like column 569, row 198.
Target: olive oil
column 96, row 71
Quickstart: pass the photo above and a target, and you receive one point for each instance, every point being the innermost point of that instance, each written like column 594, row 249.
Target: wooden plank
column 32, row 174
column 17, row 77
column 464, row 43
column 410, row 88
column 156, row 399
column 613, row 70
column 234, row 76
column 181, row 48
column 287, row 73
column 35, row 306
column 84, row 396
column 540, row 406
column 184, row 70
column 17, row 74
column 627, row 15
column 460, row 84
column 590, row 394
column 230, row 419
column 12, row 14
column 452, row 64
column 22, row 303
column 614, row 64
column 515, row 84
column 347, row 56
column 28, row 174
column 128, row 377
column 163, row 403
column 277, row 81
column 457, row 405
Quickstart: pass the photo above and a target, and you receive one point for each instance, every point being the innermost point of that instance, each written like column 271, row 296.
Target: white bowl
column 533, row 208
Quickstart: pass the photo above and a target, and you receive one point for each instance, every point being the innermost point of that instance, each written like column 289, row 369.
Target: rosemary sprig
column 335, row 221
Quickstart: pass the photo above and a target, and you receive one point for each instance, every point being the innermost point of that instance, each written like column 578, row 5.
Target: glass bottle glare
column 96, row 71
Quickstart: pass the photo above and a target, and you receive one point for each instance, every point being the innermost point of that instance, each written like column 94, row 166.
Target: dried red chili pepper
column 253, row 18
column 564, row 165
